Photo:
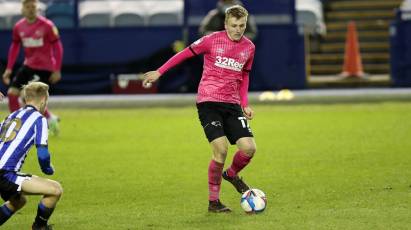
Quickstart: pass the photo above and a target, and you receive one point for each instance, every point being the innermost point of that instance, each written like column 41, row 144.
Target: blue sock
column 43, row 215
column 5, row 214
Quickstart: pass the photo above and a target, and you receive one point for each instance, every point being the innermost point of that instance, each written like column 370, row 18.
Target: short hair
column 26, row 1
column 236, row 11
column 35, row 91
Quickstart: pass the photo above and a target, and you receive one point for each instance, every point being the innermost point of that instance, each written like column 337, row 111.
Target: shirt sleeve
column 201, row 46
column 175, row 60
column 58, row 55
column 244, row 90
column 246, row 80
column 53, row 33
column 249, row 64
column 41, row 131
column 14, row 49
column 16, row 37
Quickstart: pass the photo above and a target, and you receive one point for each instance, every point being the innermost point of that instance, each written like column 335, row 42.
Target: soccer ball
column 253, row 201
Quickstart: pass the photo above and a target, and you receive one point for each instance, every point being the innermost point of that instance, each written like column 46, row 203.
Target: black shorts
column 10, row 184
column 223, row 119
column 26, row 74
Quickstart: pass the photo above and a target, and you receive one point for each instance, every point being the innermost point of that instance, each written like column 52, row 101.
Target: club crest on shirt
column 39, row 33
column 220, row 50
column 55, row 31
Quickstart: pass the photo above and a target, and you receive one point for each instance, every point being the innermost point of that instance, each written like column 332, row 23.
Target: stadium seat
column 61, row 13
column 8, row 10
column 95, row 13
column 129, row 19
column 406, row 10
column 14, row 19
column 62, row 21
column 309, row 14
column 129, row 13
column 165, row 13
column 3, row 23
column 164, row 18
column 60, row 8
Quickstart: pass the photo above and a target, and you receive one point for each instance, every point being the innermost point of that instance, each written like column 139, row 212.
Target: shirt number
column 10, row 129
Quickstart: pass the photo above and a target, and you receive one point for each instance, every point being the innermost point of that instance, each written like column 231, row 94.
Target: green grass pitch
column 329, row 166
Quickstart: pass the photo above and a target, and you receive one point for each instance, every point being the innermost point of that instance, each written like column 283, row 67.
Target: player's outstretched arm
column 1, row 98
column 44, row 160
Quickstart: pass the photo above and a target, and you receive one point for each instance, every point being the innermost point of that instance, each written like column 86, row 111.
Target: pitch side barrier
column 400, row 39
column 93, row 57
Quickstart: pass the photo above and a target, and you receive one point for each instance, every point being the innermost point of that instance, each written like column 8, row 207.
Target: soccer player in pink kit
column 43, row 56
column 222, row 100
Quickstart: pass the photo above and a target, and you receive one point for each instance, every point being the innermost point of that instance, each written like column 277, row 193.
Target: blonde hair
column 236, row 11
column 35, row 91
column 26, row 1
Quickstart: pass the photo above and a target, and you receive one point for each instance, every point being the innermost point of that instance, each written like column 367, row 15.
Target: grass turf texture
column 343, row 166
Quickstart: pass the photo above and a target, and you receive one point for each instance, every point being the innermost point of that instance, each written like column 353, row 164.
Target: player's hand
column 6, row 76
column 49, row 170
column 150, row 77
column 248, row 113
column 1, row 96
column 55, row 77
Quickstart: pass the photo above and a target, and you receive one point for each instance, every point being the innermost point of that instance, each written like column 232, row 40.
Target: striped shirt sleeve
column 41, row 129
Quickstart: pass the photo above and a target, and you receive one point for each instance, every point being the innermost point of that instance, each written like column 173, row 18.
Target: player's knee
column 57, row 189
column 221, row 151
column 250, row 150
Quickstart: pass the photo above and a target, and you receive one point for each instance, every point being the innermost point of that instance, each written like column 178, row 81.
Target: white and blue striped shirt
column 19, row 131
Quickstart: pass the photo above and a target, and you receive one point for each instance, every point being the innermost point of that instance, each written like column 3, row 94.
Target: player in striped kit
column 43, row 52
column 18, row 133
column 222, row 100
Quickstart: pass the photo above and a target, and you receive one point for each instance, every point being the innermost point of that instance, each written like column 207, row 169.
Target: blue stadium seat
column 61, row 13
column 129, row 13
column 95, row 13
column 164, row 18
column 60, row 8
column 15, row 18
column 3, row 23
column 63, row 21
column 165, row 12
column 129, row 19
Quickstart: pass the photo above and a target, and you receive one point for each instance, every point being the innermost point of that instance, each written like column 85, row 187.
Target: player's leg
column 21, row 78
column 13, row 95
column 239, row 133
column 51, row 191
column 10, row 207
column 52, row 119
column 219, row 147
column 10, row 192
column 246, row 150
column 211, row 121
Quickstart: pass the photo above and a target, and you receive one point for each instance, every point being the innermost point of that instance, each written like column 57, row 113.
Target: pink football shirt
column 226, row 65
column 37, row 39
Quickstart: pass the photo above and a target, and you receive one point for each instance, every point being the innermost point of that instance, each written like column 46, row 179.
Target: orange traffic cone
column 352, row 59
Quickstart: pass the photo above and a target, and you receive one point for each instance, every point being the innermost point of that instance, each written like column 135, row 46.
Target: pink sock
column 240, row 160
column 47, row 114
column 214, row 180
column 13, row 102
